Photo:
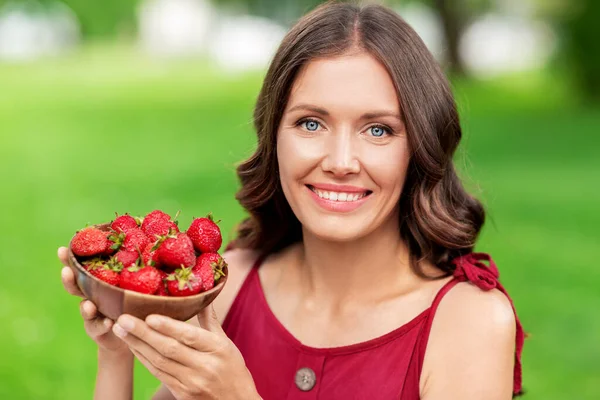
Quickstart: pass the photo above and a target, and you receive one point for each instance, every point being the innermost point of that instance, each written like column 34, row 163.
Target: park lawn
column 104, row 130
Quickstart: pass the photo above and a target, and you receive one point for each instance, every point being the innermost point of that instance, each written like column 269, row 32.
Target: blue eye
column 310, row 125
column 378, row 131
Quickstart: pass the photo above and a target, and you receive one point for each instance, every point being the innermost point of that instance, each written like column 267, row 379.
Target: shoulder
column 468, row 306
column 239, row 263
column 474, row 331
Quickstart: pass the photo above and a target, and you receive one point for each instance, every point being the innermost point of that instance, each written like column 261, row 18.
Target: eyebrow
column 324, row 112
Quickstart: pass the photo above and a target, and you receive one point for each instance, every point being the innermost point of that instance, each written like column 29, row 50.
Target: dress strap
column 472, row 267
column 424, row 336
column 243, row 291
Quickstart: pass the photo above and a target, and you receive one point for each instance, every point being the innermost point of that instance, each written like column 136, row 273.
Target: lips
column 344, row 199
column 340, row 195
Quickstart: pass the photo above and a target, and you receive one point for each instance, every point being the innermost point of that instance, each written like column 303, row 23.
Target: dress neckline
column 338, row 350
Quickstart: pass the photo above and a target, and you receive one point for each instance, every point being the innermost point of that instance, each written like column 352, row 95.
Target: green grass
column 104, row 131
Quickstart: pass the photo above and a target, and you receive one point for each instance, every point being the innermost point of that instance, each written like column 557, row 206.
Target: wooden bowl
column 113, row 301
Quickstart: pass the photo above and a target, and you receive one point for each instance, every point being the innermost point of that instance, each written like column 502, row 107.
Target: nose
column 340, row 159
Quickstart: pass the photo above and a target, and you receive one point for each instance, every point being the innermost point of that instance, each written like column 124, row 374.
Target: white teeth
column 338, row 196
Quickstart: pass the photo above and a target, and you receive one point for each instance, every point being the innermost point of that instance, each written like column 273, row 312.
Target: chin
column 336, row 229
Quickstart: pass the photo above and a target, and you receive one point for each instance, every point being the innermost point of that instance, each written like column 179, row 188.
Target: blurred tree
column 582, row 30
column 96, row 17
column 105, row 17
column 456, row 16
column 282, row 11
column 453, row 19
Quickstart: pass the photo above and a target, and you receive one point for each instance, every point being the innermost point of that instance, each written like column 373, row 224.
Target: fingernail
column 107, row 322
column 120, row 332
column 126, row 323
column 154, row 320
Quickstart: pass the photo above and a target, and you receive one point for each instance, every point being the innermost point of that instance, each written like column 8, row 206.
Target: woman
column 360, row 234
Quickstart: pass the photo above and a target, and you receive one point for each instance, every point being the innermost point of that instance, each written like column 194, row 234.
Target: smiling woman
column 354, row 275
column 343, row 159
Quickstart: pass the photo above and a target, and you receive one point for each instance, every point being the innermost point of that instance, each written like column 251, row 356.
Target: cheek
column 297, row 156
column 388, row 165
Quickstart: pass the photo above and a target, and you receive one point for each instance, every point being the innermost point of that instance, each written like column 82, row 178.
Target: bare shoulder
column 474, row 331
column 473, row 308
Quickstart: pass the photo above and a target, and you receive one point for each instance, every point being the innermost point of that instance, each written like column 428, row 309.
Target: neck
column 373, row 267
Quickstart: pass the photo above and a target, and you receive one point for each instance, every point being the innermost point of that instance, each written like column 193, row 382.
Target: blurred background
column 132, row 105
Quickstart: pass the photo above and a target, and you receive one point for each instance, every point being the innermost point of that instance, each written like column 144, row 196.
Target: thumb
column 207, row 318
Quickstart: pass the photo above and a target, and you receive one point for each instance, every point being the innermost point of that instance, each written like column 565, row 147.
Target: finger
column 98, row 327
column 95, row 324
column 63, row 255
column 88, row 310
column 188, row 334
column 207, row 318
column 162, row 361
column 169, row 380
column 139, row 333
column 68, row 281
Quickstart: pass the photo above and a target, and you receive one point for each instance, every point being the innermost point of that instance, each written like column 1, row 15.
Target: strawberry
column 107, row 272
column 184, row 282
column 126, row 258
column 205, row 235
column 176, row 251
column 91, row 241
column 123, row 223
column 140, row 278
column 110, row 250
column 162, row 289
column 209, row 267
column 150, row 257
column 158, row 223
column 133, row 240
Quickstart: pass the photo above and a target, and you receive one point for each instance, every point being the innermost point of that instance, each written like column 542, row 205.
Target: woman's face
column 342, row 148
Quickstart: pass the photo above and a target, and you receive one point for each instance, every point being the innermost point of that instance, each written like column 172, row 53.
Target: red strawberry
column 110, row 250
column 162, row 289
column 107, row 275
column 107, row 272
column 176, row 251
column 132, row 240
column 184, row 282
column 150, row 257
column 126, row 258
column 90, row 241
column 158, row 223
column 209, row 267
column 205, row 235
column 142, row 279
column 123, row 223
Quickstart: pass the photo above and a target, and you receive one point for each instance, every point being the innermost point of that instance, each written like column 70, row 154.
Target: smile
column 338, row 196
column 343, row 200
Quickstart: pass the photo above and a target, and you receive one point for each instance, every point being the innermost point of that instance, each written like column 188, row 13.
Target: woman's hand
column 192, row 362
column 97, row 327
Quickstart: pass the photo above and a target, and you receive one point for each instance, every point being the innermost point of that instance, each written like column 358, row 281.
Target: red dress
column 387, row 367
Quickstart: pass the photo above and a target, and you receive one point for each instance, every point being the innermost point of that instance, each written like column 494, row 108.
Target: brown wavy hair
column 439, row 220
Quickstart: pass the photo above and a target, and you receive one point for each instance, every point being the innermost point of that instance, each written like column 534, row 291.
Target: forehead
column 352, row 82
